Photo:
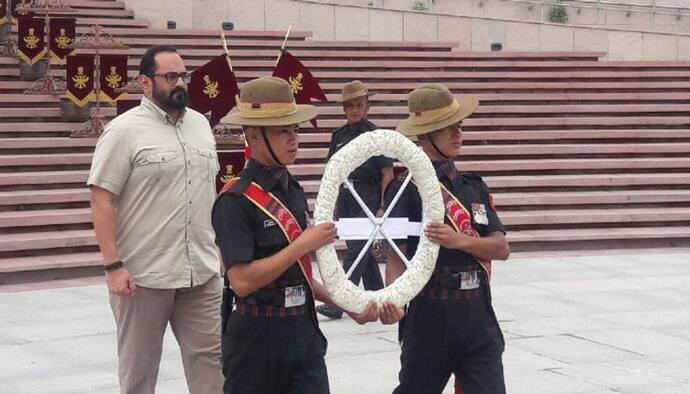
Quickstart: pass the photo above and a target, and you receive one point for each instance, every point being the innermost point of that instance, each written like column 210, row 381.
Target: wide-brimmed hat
column 433, row 107
column 353, row 90
column 268, row 101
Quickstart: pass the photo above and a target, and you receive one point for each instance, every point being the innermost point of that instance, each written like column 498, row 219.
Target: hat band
column 354, row 95
column 266, row 110
column 434, row 115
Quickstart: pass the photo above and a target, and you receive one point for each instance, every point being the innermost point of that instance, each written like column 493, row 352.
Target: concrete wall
column 339, row 22
column 635, row 19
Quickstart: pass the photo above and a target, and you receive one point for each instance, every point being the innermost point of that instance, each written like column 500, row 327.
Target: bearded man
column 152, row 186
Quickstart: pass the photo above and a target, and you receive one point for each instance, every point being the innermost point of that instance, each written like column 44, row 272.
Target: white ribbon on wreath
column 390, row 144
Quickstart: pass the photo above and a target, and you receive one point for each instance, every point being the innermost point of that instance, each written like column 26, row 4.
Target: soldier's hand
column 317, row 236
column 120, row 282
column 371, row 313
column 444, row 235
column 391, row 314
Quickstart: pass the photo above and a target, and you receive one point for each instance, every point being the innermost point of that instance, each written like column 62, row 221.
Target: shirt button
column 189, row 182
column 189, row 162
column 190, row 201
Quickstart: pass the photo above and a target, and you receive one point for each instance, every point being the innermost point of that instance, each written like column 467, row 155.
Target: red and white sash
column 272, row 207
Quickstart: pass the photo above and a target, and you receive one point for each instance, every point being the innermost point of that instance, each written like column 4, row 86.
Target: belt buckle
column 469, row 280
column 295, row 296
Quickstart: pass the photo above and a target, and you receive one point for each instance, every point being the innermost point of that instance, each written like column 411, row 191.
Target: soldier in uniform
column 271, row 342
column 370, row 181
column 450, row 327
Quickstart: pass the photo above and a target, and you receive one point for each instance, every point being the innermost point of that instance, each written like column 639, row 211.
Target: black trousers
column 451, row 337
column 273, row 355
column 347, row 207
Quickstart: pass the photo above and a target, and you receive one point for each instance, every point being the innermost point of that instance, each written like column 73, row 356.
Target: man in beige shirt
column 152, row 189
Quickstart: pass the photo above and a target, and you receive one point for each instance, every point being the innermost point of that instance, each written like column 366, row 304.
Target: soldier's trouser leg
column 479, row 370
column 425, row 364
column 273, row 355
column 367, row 269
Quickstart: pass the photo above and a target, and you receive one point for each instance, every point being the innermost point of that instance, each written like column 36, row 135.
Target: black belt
column 271, row 297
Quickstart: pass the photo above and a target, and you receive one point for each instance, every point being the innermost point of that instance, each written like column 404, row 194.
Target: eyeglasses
column 172, row 77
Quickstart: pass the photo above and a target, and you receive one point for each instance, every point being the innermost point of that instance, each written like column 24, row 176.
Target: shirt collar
column 158, row 111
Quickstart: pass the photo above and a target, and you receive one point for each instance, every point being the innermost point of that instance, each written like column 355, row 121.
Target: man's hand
column 445, row 236
column 380, row 212
column 371, row 313
column 390, row 314
column 317, row 236
column 120, row 282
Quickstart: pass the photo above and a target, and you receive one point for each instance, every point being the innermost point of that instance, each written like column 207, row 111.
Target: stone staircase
column 581, row 154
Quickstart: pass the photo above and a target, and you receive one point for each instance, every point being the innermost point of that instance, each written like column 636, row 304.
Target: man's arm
column 370, row 313
column 389, row 313
column 386, row 177
column 492, row 247
column 247, row 277
column 103, row 215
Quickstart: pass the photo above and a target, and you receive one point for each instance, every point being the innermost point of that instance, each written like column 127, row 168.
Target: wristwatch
column 113, row 266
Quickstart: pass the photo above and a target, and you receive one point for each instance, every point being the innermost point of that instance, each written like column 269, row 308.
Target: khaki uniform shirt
column 164, row 176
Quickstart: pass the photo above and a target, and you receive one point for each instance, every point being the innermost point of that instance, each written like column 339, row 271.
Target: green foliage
column 421, row 5
column 558, row 14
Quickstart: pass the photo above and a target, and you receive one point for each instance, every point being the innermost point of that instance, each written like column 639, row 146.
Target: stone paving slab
column 614, row 323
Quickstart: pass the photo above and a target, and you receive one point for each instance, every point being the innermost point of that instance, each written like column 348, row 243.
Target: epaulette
column 235, row 186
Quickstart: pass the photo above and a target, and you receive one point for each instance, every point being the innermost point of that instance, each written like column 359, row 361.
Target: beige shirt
column 164, row 175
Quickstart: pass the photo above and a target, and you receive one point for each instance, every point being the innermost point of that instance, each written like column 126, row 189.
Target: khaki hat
column 353, row 90
column 433, row 107
column 268, row 101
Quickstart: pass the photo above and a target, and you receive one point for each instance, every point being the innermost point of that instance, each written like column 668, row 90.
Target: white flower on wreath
column 391, row 144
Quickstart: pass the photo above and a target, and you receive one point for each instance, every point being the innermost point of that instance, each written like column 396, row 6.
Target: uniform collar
column 160, row 114
column 267, row 177
column 446, row 169
column 361, row 126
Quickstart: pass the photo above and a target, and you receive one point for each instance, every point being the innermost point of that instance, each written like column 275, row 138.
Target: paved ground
column 595, row 324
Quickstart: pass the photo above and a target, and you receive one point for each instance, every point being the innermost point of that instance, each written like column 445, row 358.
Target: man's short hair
column 147, row 66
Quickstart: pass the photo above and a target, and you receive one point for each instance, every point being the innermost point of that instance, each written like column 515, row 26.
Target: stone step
column 43, row 178
column 33, row 218
column 621, row 180
column 602, row 234
column 492, row 153
column 384, row 75
column 334, row 87
column 45, row 196
column 511, row 166
column 56, row 261
column 46, row 240
column 551, row 217
column 506, row 147
column 504, row 200
column 399, row 99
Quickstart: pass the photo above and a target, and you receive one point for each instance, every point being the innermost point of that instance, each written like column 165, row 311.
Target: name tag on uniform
column 295, row 296
column 479, row 214
column 269, row 223
column 469, row 280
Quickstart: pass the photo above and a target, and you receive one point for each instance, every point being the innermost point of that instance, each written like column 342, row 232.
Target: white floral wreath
column 391, row 144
